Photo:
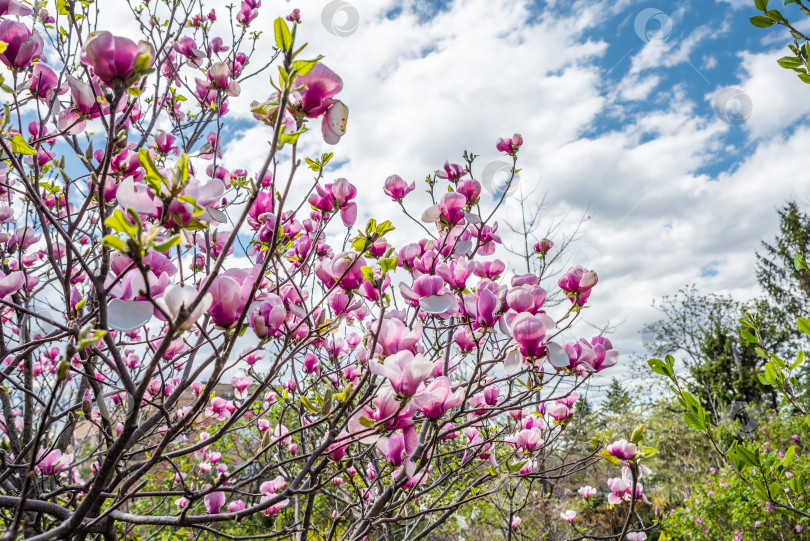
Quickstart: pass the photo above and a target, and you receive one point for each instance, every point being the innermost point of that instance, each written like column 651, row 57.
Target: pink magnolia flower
column 13, row 7
column 489, row 269
column 622, row 490
column 623, row 449
column 214, row 502
column 516, row 520
column 404, row 370
column 52, row 462
column 337, row 195
column 260, row 209
column 267, row 319
column 529, row 331
column 220, row 409
column 510, row 146
column 117, row 60
column 12, row 283
column 457, row 272
column 273, row 486
column 276, row 507
column 345, row 267
column 241, row 386
column 247, row 12
column 543, row 247
column 396, row 188
column 321, row 86
column 560, row 412
column 22, row 45
column 470, row 189
column 310, row 364
column 529, row 440
column 450, row 208
column 569, row 516
column 569, row 400
column 44, row 83
column 437, row 399
column 451, row 171
column 587, row 492
column 236, row 506
column 317, row 99
column 526, row 298
column 229, row 294
column 295, row 16
column 176, row 298
column 393, row 449
column 578, row 280
column 595, row 356
column 641, row 536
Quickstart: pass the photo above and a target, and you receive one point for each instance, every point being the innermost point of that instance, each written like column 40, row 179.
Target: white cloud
column 421, row 93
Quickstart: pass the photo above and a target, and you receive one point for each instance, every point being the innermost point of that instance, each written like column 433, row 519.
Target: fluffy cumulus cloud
column 618, row 108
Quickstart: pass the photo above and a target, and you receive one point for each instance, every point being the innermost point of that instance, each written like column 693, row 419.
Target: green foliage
column 721, row 504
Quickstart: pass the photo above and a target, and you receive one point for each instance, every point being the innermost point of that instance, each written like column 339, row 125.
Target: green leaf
column 152, row 175
column 167, row 244
column 803, row 324
column 62, row 371
column 692, row 421
column 610, row 458
column 747, row 456
column 290, row 138
column 799, row 360
column 20, row 146
column 764, row 380
column 692, row 403
column 748, row 336
column 388, row 264
column 790, row 62
column 88, row 336
column 384, row 228
column 284, row 39
column 119, row 222
column 114, row 243
column 659, row 367
column 761, row 22
column 789, row 455
column 303, row 67
column 798, row 260
column 776, row 16
column 804, row 77
column 182, row 168
column 307, row 404
column 761, row 5
column 366, row 422
column 638, row 434
column 368, row 273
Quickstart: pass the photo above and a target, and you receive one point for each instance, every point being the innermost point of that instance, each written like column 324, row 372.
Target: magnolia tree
column 377, row 388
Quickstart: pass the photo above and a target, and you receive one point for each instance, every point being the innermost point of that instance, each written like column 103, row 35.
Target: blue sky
column 619, row 128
